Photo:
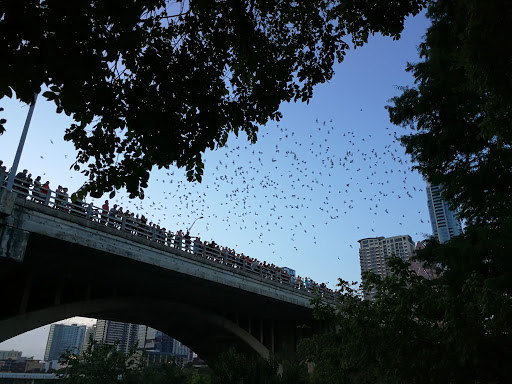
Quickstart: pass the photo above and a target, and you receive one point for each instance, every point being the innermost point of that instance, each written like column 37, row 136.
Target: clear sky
column 328, row 174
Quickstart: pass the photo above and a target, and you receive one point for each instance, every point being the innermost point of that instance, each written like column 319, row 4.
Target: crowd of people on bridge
column 138, row 225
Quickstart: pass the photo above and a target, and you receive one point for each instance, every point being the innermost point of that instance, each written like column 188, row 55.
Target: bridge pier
column 13, row 243
column 7, row 200
column 27, row 290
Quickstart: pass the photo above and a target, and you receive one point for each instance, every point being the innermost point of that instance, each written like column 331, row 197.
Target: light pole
column 14, row 168
column 189, row 228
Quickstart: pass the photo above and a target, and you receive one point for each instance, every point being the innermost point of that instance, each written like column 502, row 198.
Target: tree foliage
column 105, row 364
column 156, row 82
column 455, row 328
column 233, row 367
column 461, row 107
column 100, row 363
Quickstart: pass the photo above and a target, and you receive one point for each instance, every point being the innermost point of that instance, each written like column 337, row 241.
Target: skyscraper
column 90, row 331
column 155, row 342
column 374, row 252
column 110, row 332
column 445, row 223
column 62, row 338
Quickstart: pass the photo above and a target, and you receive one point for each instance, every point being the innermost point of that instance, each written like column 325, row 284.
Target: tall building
column 89, row 332
column 157, row 343
column 445, row 223
column 146, row 337
column 374, row 252
column 109, row 332
column 62, row 338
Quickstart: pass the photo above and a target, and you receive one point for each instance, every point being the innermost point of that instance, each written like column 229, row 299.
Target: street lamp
column 14, row 168
column 189, row 228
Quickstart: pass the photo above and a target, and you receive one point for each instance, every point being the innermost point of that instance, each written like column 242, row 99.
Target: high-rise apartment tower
column 89, row 332
column 110, row 332
column 445, row 223
column 374, row 252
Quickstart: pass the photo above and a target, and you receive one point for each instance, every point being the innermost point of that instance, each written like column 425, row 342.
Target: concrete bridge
column 61, row 261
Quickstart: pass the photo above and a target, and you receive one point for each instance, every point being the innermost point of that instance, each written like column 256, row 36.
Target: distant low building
column 4, row 355
column 52, row 365
column 22, row 364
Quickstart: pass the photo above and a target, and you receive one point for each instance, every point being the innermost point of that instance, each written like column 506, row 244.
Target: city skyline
column 63, row 334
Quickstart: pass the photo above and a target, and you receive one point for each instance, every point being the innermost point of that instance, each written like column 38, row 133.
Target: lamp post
column 14, row 168
column 189, row 228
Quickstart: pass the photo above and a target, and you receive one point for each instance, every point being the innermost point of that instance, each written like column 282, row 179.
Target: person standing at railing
column 198, row 246
column 168, row 238
column 323, row 289
column 163, row 234
column 104, row 213
column 58, row 197
column 143, row 227
column 126, row 217
column 112, row 216
column 64, row 198
column 159, row 234
column 45, row 189
column 177, row 239
column 36, row 189
column 131, row 223
column 18, row 183
column 188, row 241
column 119, row 215
column 27, row 183
column 284, row 275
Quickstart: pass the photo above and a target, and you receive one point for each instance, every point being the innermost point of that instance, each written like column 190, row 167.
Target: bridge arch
column 206, row 333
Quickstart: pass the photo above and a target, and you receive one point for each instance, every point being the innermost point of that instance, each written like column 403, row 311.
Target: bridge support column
column 7, row 200
column 261, row 331
column 27, row 290
column 13, row 243
column 271, row 334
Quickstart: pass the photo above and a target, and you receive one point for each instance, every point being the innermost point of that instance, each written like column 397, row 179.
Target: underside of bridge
column 57, row 279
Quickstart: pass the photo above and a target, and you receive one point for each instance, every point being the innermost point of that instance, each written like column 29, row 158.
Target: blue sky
column 328, row 174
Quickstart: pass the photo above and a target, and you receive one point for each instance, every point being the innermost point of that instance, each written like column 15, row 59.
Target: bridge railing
column 137, row 228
